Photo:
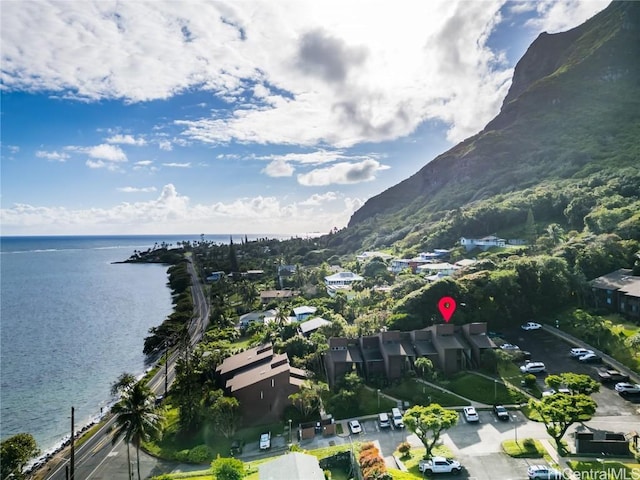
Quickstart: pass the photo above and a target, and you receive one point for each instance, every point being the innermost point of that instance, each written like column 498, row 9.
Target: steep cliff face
column 569, row 91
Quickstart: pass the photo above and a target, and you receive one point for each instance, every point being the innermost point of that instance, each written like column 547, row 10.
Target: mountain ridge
column 573, row 103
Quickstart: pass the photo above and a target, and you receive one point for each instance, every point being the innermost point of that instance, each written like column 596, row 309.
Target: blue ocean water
column 71, row 321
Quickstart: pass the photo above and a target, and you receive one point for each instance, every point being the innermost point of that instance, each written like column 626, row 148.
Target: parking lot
column 554, row 352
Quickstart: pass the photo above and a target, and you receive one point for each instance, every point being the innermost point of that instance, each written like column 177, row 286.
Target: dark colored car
column 236, row 447
column 501, row 412
column 612, row 376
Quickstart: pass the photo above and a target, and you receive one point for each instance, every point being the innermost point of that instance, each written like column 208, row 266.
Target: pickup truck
column 612, row 376
column 439, row 465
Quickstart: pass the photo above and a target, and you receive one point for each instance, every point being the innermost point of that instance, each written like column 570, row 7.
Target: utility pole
column 72, row 461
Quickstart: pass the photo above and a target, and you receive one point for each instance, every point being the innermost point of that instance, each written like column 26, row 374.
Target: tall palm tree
column 136, row 418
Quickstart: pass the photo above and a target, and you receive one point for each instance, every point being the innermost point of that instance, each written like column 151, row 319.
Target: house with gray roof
column 618, row 291
column 292, row 466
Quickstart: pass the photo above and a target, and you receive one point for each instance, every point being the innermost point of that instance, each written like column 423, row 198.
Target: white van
column 396, row 416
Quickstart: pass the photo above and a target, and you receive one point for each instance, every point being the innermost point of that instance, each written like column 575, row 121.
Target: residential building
column 261, row 381
column 267, row 296
column 215, row 276
column 342, row 279
column 392, row 354
column 399, row 265
column 303, row 312
column 444, row 268
column 618, row 291
column 369, row 255
column 483, row 243
column 309, row 326
column 293, row 466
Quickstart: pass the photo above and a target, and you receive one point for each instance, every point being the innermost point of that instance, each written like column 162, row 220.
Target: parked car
column 440, row 465
column 236, row 447
column 396, row 416
column 383, row 420
column 611, row 375
column 542, row 472
column 590, row 358
column 579, row 352
column 509, row 346
column 470, row 414
column 533, row 367
column 265, row 441
column 553, row 391
column 626, row 388
column 355, row 427
column 501, row 412
column 531, row 326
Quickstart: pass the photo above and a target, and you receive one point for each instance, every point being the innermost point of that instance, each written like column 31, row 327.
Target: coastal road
column 98, row 458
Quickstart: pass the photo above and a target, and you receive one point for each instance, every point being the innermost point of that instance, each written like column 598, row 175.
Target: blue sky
column 245, row 117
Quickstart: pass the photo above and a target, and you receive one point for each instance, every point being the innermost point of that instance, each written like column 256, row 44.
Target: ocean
column 71, row 321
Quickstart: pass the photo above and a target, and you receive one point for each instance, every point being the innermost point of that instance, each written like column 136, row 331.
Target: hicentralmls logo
column 608, row 474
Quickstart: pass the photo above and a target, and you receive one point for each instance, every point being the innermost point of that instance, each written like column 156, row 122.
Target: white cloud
column 305, row 73
column 279, row 168
column 173, row 212
column 177, row 165
column 136, row 189
column 560, row 15
column 165, row 145
column 52, row 156
column 126, row 140
column 342, row 173
column 320, row 198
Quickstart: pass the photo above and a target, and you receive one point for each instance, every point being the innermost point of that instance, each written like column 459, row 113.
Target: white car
column 542, row 472
column 579, row 352
column 470, row 414
column 509, row 346
column 531, row 326
column 533, row 367
column 265, row 441
column 627, row 388
column 355, row 427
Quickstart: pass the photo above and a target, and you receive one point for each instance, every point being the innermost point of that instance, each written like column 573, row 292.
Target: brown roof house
column 261, row 381
column 392, row 354
column 618, row 291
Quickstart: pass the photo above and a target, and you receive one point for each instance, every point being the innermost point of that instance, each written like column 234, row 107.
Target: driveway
column 554, row 352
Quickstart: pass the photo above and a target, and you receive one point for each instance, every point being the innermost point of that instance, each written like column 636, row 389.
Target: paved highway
column 98, row 458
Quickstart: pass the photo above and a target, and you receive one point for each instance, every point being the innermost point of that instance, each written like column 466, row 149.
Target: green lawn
column 527, row 448
column 614, row 470
column 482, row 389
column 417, row 393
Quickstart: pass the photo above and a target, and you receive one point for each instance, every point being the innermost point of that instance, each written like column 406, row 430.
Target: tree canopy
column 428, row 423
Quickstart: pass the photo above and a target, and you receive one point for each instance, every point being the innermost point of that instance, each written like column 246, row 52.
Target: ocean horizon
column 73, row 318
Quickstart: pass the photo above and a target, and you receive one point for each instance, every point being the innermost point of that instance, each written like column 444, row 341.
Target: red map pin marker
column 447, row 306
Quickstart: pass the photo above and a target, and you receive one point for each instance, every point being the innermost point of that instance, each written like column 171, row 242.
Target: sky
column 242, row 117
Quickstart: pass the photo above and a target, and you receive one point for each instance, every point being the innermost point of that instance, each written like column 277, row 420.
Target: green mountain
column 565, row 147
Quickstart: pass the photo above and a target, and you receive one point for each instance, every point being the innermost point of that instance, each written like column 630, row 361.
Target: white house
column 304, row 312
column 342, row 278
column 465, row 262
column 443, row 268
column 484, row 243
column 312, row 325
column 399, row 265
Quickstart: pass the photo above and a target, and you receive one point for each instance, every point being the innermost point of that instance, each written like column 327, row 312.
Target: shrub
column 405, row 449
column 529, row 380
column 200, row 454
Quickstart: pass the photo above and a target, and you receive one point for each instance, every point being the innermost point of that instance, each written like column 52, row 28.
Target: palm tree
column 136, row 418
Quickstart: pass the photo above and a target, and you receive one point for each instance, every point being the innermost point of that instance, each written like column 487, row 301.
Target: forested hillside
column 564, row 147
